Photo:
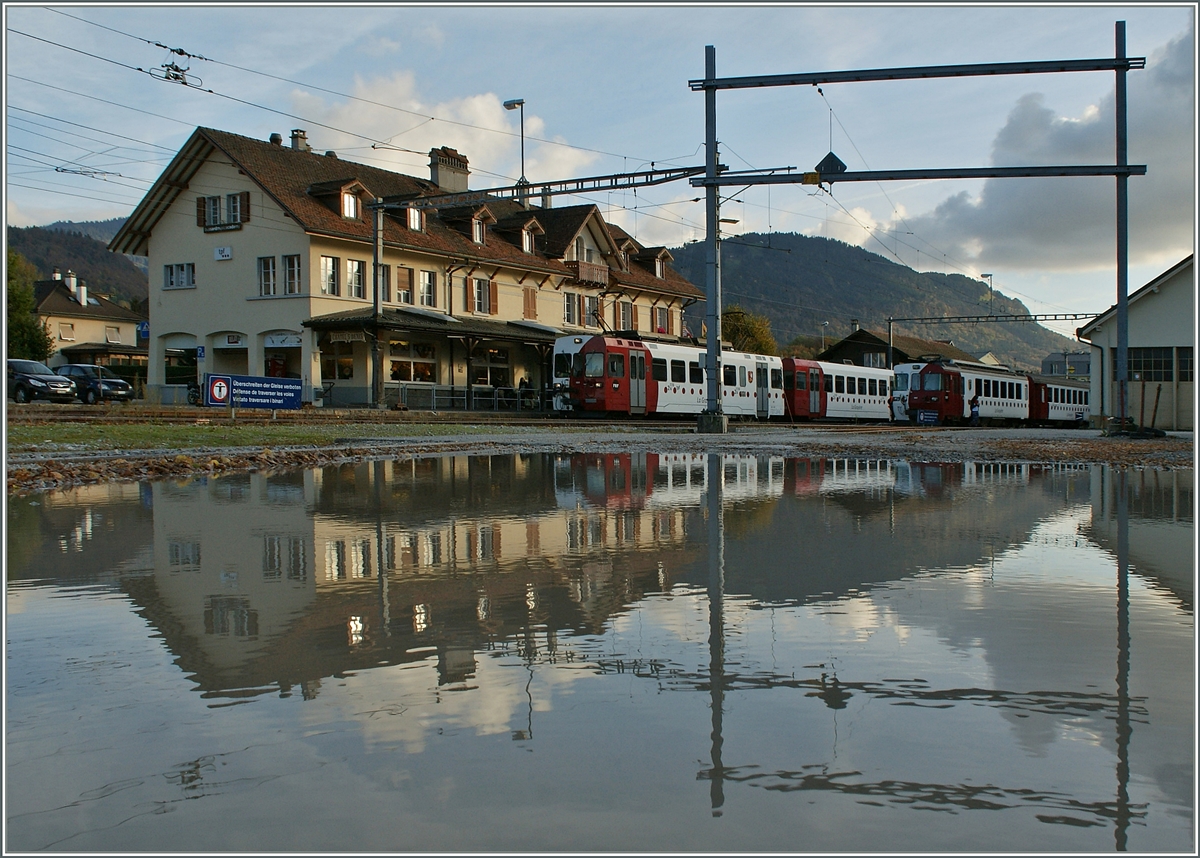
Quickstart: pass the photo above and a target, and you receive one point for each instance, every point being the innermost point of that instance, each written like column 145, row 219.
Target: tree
column 747, row 331
column 28, row 338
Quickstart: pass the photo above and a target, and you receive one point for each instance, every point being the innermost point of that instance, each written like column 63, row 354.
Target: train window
column 616, row 366
column 987, row 387
column 839, row 384
column 1085, row 397
column 593, row 365
column 741, row 376
column 729, row 375
column 802, row 380
column 883, row 387
column 901, row 382
column 932, row 381
column 562, row 365
column 678, row 371
column 576, row 365
column 776, row 379
column 789, row 380
column 862, row 387
column 1020, row 390
column 695, row 373
column 872, row 387
column 658, row 368
column 829, row 384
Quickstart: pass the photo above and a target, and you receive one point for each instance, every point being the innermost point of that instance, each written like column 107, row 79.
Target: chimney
column 56, row 274
column 448, row 169
column 82, row 293
column 854, row 324
column 276, row 138
column 329, row 153
column 300, row 140
column 70, row 281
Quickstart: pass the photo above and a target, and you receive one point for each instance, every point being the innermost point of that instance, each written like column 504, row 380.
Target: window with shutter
column 493, row 297
column 530, row 302
column 428, row 288
column 404, row 285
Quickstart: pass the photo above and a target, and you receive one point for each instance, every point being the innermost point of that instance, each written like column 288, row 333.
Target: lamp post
column 988, row 278
column 824, row 325
column 513, row 104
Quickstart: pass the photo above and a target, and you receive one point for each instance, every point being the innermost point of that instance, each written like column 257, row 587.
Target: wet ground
column 51, row 466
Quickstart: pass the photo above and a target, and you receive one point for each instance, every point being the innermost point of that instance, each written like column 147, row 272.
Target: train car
column 856, row 392
column 1057, row 401
column 947, row 387
column 615, row 374
column 803, row 389
column 907, row 375
column 565, row 349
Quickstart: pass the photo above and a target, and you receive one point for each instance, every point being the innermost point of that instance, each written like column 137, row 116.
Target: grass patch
column 151, row 436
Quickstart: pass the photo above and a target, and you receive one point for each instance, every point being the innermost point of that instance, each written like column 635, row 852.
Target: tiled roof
column 52, row 298
column 300, row 182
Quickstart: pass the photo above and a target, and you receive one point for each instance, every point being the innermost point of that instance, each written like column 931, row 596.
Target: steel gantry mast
column 832, row 170
column 999, row 317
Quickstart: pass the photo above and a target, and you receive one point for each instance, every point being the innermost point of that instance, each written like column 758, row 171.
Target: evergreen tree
column 27, row 337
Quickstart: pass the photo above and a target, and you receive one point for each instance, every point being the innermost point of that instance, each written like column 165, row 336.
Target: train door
column 762, row 381
column 637, row 382
column 814, row 392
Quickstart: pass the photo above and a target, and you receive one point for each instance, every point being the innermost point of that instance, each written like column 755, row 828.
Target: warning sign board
column 252, row 391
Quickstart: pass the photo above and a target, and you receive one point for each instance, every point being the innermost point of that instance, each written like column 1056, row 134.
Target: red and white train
column 942, row 391
column 621, row 373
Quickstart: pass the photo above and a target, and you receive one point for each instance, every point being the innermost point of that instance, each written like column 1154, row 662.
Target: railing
column 437, row 397
column 589, row 272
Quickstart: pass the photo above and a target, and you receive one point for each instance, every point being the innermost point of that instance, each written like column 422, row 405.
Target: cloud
column 380, row 46
column 477, row 125
column 1069, row 223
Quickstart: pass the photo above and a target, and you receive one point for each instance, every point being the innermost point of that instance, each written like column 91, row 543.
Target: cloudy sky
column 90, row 124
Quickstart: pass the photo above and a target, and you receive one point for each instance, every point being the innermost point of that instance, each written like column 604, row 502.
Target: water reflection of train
column 661, row 480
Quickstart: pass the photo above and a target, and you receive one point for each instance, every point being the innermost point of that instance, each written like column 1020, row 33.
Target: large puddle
column 598, row 652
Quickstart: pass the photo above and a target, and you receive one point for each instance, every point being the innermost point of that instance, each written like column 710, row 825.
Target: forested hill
column 110, row 274
column 798, row 282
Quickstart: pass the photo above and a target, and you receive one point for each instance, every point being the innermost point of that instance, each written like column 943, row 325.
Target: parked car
column 28, row 379
column 95, row 383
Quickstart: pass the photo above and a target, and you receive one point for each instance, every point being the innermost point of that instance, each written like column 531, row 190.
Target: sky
column 90, row 122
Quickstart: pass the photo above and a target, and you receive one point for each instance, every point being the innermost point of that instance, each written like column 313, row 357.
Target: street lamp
column 824, row 325
column 988, row 277
column 513, row 104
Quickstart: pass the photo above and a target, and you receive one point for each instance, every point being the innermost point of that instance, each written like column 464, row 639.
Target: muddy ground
column 36, row 471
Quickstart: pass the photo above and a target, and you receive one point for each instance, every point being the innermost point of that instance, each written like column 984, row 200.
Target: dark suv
column 95, row 383
column 28, row 379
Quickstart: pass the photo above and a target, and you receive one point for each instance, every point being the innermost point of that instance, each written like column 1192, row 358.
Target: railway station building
column 262, row 263
column 1162, row 341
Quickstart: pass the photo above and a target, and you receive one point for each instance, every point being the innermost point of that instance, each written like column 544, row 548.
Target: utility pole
column 713, row 420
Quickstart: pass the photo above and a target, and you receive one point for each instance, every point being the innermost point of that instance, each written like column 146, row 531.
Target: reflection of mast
column 716, row 625
column 1124, row 724
column 380, row 566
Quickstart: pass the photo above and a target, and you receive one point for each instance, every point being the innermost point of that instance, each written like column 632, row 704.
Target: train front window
column 901, row 383
column 593, row 365
column 616, row 366
column 695, row 373
column 562, row 365
column 932, row 381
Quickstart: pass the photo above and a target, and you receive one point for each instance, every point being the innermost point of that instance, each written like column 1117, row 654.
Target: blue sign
column 252, row 391
column 199, row 352
column 927, row 418
column 143, row 330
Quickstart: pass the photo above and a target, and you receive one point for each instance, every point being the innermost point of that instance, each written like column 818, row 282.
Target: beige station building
column 262, row 252
column 1162, row 340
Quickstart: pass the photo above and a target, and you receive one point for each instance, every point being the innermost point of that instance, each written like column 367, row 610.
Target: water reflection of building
column 352, row 567
column 1158, row 502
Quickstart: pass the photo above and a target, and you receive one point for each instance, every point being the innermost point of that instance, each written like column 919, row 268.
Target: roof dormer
column 656, row 259
column 522, row 230
column 344, row 196
column 472, row 221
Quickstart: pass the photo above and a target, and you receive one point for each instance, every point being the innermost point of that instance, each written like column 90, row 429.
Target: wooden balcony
column 589, row 272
